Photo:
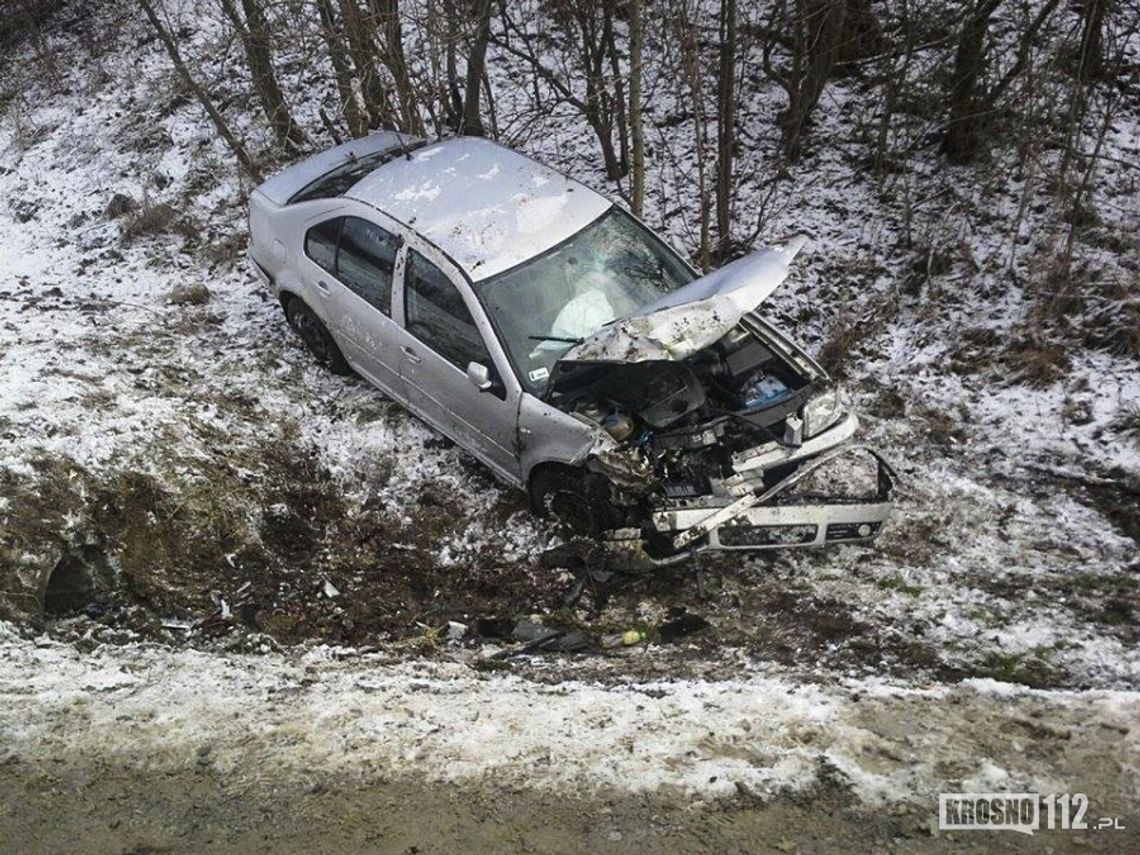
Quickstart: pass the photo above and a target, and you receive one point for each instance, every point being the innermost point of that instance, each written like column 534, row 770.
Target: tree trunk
column 1092, row 48
column 362, row 49
column 472, row 123
column 962, row 141
column 690, row 53
column 334, row 40
column 820, row 32
column 726, row 127
column 387, row 17
column 253, row 33
column 203, row 97
column 453, row 99
column 636, row 127
column 617, row 99
column 862, row 33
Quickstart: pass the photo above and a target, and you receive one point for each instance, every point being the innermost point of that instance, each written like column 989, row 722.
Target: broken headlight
column 821, row 412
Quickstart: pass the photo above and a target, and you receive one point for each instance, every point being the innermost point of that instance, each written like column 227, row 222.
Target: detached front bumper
column 762, row 519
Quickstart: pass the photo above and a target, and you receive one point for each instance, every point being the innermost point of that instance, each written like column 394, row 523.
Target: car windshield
column 606, row 271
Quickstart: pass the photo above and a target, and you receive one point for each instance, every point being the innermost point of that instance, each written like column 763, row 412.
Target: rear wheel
column 578, row 501
column 316, row 336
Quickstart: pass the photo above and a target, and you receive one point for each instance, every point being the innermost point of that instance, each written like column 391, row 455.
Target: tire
column 316, row 336
column 578, row 501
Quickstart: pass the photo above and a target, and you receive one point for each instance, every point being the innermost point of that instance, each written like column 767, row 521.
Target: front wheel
column 578, row 501
column 316, row 336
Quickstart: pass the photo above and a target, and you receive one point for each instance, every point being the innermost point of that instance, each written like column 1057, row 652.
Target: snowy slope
column 115, row 366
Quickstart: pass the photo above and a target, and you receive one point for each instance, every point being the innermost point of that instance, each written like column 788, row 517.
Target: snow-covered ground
column 186, row 437
column 329, row 711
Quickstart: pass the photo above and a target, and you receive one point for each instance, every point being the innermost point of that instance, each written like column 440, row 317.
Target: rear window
column 320, row 243
column 340, row 180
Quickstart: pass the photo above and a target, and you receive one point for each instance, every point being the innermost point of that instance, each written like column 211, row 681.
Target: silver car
column 555, row 337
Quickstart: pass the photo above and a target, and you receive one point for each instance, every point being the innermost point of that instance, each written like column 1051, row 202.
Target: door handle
column 322, row 286
column 411, row 354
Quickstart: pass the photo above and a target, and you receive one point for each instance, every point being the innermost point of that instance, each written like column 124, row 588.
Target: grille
column 766, row 535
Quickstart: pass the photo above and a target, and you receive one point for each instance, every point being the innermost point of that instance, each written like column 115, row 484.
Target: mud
column 117, row 809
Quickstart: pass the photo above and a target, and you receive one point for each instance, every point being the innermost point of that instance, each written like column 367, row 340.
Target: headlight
column 821, row 412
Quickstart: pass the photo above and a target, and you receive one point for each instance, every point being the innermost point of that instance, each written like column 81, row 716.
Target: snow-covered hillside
column 164, row 436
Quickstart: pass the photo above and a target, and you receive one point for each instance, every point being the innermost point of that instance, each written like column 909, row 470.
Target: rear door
column 365, row 265
column 318, row 270
column 445, row 329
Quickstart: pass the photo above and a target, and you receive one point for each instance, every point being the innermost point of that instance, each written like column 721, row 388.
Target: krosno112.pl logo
column 1021, row 812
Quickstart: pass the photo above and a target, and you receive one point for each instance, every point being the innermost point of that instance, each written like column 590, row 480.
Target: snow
column 984, row 563
column 316, row 709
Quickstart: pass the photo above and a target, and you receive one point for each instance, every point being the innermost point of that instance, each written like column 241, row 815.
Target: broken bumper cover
column 764, row 520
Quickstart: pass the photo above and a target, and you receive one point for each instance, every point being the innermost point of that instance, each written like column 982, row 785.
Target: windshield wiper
column 555, row 338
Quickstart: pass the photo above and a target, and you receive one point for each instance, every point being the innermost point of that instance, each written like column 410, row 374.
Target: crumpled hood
column 691, row 318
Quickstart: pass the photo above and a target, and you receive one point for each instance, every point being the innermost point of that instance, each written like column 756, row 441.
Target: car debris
column 681, row 626
column 535, row 636
column 557, row 339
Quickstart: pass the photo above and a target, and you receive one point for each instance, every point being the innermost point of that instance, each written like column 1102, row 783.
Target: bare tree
column 253, row 33
column 636, row 119
column 235, row 145
column 386, row 20
column 589, row 45
column 726, row 126
column 362, row 49
column 816, row 36
column 472, row 123
column 961, row 140
column 684, row 33
column 1093, row 13
column 342, row 73
column 970, row 107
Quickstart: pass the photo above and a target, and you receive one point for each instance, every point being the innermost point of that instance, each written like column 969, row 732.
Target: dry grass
column 852, row 332
column 977, row 349
column 195, row 294
column 844, row 336
column 1115, row 325
column 1037, row 362
column 151, row 220
column 1127, row 420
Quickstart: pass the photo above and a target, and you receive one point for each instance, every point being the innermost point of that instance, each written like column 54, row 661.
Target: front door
column 440, row 338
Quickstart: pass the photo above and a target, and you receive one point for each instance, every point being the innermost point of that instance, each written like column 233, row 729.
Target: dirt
column 286, row 556
column 106, row 804
column 120, row 809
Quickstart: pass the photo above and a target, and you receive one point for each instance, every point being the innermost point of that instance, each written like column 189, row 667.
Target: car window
column 320, row 243
column 545, row 305
column 366, row 260
column 437, row 315
column 340, row 180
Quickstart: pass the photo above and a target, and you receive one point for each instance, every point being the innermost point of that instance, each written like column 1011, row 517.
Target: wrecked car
column 561, row 342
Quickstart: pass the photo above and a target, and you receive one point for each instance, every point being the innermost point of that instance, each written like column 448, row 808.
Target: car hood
column 693, row 317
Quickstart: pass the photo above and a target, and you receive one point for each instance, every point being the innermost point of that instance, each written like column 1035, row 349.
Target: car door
column 351, row 272
column 365, row 265
column 444, row 330
column 318, row 269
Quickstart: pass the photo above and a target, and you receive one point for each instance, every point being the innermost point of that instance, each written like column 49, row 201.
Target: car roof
column 488, row 207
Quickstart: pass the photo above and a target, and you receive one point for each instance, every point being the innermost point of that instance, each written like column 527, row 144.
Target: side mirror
column 479, row 376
